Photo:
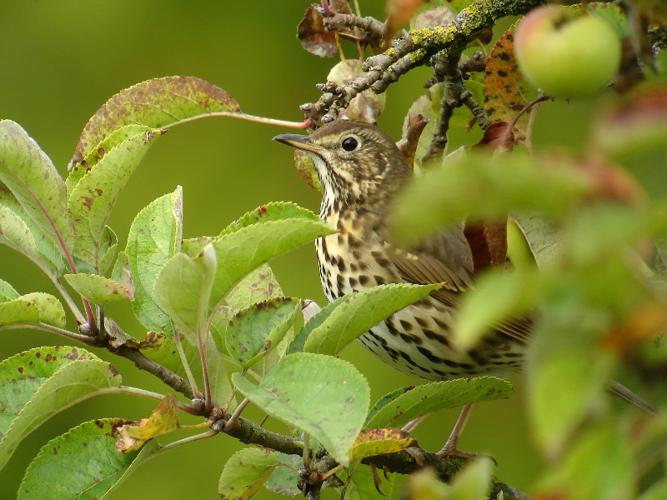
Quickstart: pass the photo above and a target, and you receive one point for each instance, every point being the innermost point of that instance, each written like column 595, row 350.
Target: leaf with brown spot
column 41, row 382
column 162, row 420
column 154, row 103
column 373, row 442
column 313, row 36
column 82, row 463
column 505, row 90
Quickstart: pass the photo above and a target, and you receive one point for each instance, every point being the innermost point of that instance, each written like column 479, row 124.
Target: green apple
column 565, row 54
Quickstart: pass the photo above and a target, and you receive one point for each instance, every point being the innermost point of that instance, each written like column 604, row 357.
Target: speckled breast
column 415, row 339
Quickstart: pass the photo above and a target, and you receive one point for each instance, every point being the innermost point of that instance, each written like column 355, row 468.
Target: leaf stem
column 68, row 300
column 186, row 364
column 235, row 416
column 51, row 329
column 189, row 439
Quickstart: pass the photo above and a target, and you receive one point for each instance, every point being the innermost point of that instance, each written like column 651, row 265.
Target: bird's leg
column 450, row 448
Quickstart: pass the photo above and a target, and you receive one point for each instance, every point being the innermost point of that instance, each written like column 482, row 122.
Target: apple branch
column 415, row 49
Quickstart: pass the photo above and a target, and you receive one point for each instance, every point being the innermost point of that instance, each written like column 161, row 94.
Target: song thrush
column 361, row 171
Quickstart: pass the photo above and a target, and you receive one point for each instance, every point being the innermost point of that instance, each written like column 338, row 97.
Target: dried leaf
column 164, row 419
column 413, row 126
column 313, row 36
column 488, row 244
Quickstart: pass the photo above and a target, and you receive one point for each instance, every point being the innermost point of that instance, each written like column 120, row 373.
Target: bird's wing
column 446, row 259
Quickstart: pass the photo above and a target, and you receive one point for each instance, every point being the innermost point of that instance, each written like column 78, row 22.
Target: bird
column 362, row 171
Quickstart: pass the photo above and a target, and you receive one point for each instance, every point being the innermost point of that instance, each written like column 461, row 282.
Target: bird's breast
column 353, row 258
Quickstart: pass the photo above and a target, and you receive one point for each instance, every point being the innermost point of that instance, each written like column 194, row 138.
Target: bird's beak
column 297, row 141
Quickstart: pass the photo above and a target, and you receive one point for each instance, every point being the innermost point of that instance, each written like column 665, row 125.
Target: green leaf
column 245, row 472
column 183, row 288
column 108, row 251
column 48, row 249
column 99, row 289
column 435, row 396
column 154, row 238
column 155, row 103
column 243, row 250
column 385, row 400
column 161, row 348
column 473, row 481
column 7, row 291
column 258, row 286
column 567, row 375
column 421, row 209
column 541, row 236
column 17, row 235
column 299, row 341
column 32, row 178
column 285, row 476
column 358, row 312
column 36, row 307
column 95, row 195
column 600, row 465
column 274, row 211
column 82, row 463
column 256, row 330
column 37, row 384
column 321, row 395
column 498, row 297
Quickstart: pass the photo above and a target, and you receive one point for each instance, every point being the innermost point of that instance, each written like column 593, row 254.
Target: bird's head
column 356, row 162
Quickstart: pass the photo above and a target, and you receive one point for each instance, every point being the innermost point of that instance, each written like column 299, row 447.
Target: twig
column 474, row 64
column 446, row 69
column 529, row 106
column 415, row 49
column 371, row 27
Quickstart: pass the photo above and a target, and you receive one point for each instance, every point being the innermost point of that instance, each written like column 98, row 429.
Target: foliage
column 586, row 243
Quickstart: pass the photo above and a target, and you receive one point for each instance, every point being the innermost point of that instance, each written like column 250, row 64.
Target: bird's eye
column 350, row 144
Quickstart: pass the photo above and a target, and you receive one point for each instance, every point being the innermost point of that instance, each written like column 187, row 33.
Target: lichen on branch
column 416, row 49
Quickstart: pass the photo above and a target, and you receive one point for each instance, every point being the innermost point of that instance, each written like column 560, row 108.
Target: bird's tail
column 623, row 392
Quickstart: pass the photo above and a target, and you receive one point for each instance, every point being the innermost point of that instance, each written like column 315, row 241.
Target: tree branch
column 402, row 462
column 173, row 380
column 415, row 49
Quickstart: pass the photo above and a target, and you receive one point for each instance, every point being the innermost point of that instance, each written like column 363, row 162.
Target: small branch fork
column 416, row 49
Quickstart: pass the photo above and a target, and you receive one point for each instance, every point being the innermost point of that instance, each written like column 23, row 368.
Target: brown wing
column 446, row 259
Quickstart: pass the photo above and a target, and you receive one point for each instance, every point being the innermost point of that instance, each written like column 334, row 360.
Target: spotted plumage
column 361, row 172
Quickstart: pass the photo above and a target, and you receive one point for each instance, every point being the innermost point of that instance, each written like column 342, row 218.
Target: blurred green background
column 62, row 59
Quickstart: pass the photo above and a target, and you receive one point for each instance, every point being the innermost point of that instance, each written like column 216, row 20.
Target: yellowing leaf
column 163, row 420
column 373, row 442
